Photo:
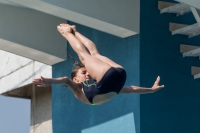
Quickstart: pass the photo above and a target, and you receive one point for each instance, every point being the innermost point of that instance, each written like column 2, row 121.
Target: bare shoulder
column 74, row 87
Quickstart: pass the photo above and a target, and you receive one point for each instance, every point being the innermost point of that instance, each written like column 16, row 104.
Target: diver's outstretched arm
column 45, row 82
column 142, row 90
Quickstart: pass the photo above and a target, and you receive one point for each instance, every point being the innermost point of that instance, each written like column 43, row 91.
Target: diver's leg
column 92, row 48
column 94, row 66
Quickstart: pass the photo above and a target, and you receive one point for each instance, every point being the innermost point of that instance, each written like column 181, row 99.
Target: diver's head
column 79, row 74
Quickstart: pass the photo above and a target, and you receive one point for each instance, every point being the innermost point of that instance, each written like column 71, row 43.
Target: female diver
column 99, row 79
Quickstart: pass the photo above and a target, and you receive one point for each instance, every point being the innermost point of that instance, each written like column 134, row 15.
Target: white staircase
column 180, row 9
column 188, row 30
column 195, row 72
column 191, row 51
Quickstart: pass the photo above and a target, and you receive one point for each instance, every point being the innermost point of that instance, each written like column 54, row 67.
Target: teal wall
column 121, row 114
column 174, row 109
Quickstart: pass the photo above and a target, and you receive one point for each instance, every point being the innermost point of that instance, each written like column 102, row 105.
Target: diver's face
column 81, row 75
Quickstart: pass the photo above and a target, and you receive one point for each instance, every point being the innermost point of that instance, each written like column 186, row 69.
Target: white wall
column 31, row 34
column 123, row 13
column 16, row 75
column 117, row 17
column 41, row 111
column 17, row 71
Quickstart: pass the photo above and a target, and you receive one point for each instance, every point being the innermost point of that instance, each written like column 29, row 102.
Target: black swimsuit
column 112, row 81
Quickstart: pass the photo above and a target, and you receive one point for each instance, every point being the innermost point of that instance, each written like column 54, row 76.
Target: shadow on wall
column 121, row 114
column 117, row 124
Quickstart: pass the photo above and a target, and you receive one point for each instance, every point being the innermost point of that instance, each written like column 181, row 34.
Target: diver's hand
column 43, row 82
column 156, row 86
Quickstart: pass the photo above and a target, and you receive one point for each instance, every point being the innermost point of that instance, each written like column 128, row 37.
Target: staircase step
column 178, row 8
column 189, row 30
column 189, row 51
column 185, row 48
column 195, row 71
column 176, row 26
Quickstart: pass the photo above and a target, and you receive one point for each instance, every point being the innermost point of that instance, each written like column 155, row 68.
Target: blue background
column 174, row 109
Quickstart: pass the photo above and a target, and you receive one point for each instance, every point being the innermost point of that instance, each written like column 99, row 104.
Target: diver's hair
column 75, row 70
column 76, row 67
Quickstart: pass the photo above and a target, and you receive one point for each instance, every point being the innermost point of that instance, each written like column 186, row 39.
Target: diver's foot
column 71, row 26
column 64, row 30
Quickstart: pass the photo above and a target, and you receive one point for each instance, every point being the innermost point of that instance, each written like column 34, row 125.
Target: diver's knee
column 95, row 54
